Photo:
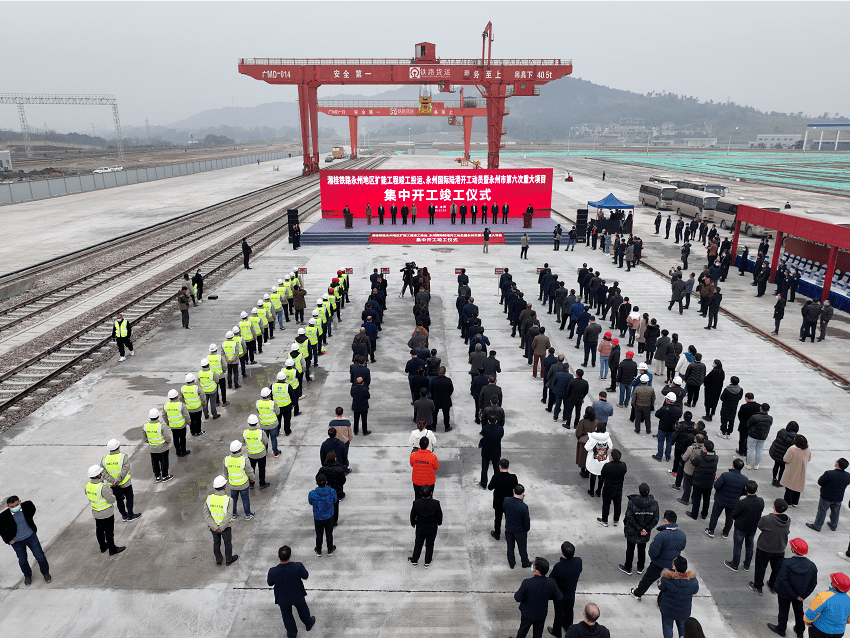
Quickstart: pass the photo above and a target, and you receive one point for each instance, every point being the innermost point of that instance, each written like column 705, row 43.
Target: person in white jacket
column 683, row 362
column 420, row 431
column 598, row 446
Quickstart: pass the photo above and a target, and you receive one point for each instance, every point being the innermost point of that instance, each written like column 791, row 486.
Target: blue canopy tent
column 616, row 223
column 610, row 202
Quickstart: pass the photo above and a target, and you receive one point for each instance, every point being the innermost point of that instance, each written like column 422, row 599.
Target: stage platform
column 332, row 230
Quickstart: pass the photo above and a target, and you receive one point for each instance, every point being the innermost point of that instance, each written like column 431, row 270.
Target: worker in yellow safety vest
column 177, row 418
column 208, row 380
column 158, row 439
column 216, row 514
column 343, row 277
column 333, row 304
column 265, row 307
column 256, row 443
column 249, row 336
column 328, row 313
column 304, row 348
column 230, row 348
column 102, row 509
column 269, row 417
column 196, row 403
column 257, row 327
column 218, row 364
column 240, row 478
column 312, row 333
column 320, row 331
column 290, row 299
column 117, row 467
column 277, row 307
column 121, row 333
column 242, row 350
column 294, row 385
column 283, row 402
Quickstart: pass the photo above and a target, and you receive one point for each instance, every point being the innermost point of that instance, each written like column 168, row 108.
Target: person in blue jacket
column 729, row 487
column 667, row 545
column 795, row 582
column 677, row 587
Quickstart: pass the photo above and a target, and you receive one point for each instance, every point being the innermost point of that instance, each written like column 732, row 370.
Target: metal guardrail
column 397, row 61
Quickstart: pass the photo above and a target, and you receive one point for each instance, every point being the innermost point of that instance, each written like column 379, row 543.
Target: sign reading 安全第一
column 385, row 271
column 518, row 188
column 302, row 271
column 500, row 271
column 349, row 271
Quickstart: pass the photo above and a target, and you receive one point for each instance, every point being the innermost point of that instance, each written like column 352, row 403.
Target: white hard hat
column 274, row 288
column 228, row 335
column 312, row 322
column 236, row 330
column 678, row 381
column 205, row 363
column 315, row 313
column 172, row 394
column 264, row 393
column 235, row 446
column 301, row 331
column 644, row 378
column 266, row 296
column 670, row 396
column 95, row 470
column 219, row 482
column 252, row 418
column 642, row 366
column 244, row 315
column 319, row 301
column 292, row 274
column 154, row 413
column 254, row 311
column 190, row 378
column 214, row 347
column 289, row 363
column 325, row 296
column 280, row 281
column 259, row 302
column 113, row 444
column 294, row 346
column 281, row 375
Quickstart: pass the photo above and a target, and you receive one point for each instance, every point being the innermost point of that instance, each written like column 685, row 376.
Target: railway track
column 45, row 370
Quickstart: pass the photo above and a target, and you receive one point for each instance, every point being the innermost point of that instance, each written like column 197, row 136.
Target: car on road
column 102, row 169
column 329, row 158
column 116, row 168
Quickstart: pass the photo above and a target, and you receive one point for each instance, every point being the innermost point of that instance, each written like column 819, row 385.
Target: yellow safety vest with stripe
column 298, row 361
column 191, row 396
column 253, row 438
column 215, row 363
column 265, row 412
column 338, row 291
column 195, row 288
column 280, row 393
column 257, row 323
column 245, row 330
column 276, row 304
column 295, row 281
column 237, row 339
column 319, row 323
column 332, row 302
column 267, row 306
column 326, row 308
column 285, row 290
column 312, row 333
column 291, row 378
column 153, row 430
column 302, row 347
column 174, row 414
column 113, row 463
column 263, row 313
column 236, row 470
column 219, row 506
column 94, row 491
column 121, row 328
column 230, row 348
column 207, row 380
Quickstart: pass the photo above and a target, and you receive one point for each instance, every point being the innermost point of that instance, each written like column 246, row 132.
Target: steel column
column 495, row 112
column 313, row 102
column 352, row 131
column 303, row 112
column 777, row 248
column 830, row 271
column 735, row 235
column 467, row 134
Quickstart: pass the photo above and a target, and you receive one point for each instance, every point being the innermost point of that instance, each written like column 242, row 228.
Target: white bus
column 664, row 179
column 726, row 212
column 693, row 203
column 657, row 194
column 701, row 185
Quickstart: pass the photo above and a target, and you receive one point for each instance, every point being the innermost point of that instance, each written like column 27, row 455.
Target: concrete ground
column 166, row 583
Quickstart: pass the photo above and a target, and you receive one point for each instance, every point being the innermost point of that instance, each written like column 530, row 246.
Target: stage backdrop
column 518, row 187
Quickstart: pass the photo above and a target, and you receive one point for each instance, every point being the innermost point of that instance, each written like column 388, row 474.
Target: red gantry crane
column 495, row 79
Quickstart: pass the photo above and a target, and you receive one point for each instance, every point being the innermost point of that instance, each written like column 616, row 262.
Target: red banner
column 519, row 188
column 434, row 238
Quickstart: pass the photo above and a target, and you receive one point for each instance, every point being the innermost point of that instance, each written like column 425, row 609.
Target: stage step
column 361, row 239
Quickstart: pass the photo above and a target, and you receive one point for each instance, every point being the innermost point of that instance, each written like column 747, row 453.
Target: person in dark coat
column 784, row 439
column 491, row 448
column 612, row 476
column 713, row 308
column 18, row 529
column 677, row 588
column 565, row 573
column 746, row 515
column 713, row 387
column 333, row 444
column 694, row 377
column 832, row 485
column 678, row 292
column 426, row 516
column 668, row 543
column 289, row 592
column 747, row 410
column 246, row 252
column 641, row 517
column 533, row 597
column 335, row 476
column 729, row 488
column 502, row 485
column 441, row 388
column 576, row 391
column 778, row 313
column 360, row 405
column 795, row 582
column 517, row 526
column 674, row 349
column 729, row 400
column 705, row 469
column 614, row 363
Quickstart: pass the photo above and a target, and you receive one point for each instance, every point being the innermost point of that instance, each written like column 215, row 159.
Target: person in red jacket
column 425, row 466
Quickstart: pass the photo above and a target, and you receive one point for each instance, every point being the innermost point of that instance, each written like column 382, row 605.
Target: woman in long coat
column 794, row 479
column 713, row 387
column 622, row 316
column 585, row 426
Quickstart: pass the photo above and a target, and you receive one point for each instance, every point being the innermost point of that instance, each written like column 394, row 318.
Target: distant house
column 5, row 161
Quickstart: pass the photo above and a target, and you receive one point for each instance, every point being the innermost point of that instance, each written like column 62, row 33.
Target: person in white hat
column 257, row 327
column 216, row 509
column 270, row 314
column 295, row 355
column 208, row 382
column 283, row 403
column 304, row 348
column 102, row 508
column 257, row 440
column 230, row 348
column 668, row 416
column 263, row 314
column 643, row 400
column 218, row 365
column 121, row 333
column 159, row 440
column 293, row 383
column 323, row 306
column 242, row 349
column 117, row 468
column 277, row 307
column 249, row 334
column 177, row 418
column 240, row 478
column 196, row 403
column 312, row 334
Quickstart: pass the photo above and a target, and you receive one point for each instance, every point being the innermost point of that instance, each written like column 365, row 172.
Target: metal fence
column 18, row 192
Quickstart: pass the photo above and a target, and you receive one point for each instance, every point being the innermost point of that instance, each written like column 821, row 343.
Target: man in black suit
column 381, row 215
column 517, row 526
column 463, row 213
column 405, row 211
column 441, row 388
column 425, row 517
column 533, row 597
column 432, row 210
column 289, row 591
column 393, row 213
column 502, row 483
column 505, row 210
column 473, row 210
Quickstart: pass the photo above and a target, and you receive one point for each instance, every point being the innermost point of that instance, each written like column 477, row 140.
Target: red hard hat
column 330, row 290
column 630, row 354
column 615, row 342
column 840, row 581
column 608, row 335
column 338, row 272
column 799, row 546
column 335, row 280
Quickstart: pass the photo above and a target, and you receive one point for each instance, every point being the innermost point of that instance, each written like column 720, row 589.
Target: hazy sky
column 169, row 60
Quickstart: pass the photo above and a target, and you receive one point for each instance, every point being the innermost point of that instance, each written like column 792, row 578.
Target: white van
column 657, row 194
column 726, row 212
column 697, row 204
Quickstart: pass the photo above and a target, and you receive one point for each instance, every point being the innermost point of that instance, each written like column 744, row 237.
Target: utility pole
column 148, row 131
